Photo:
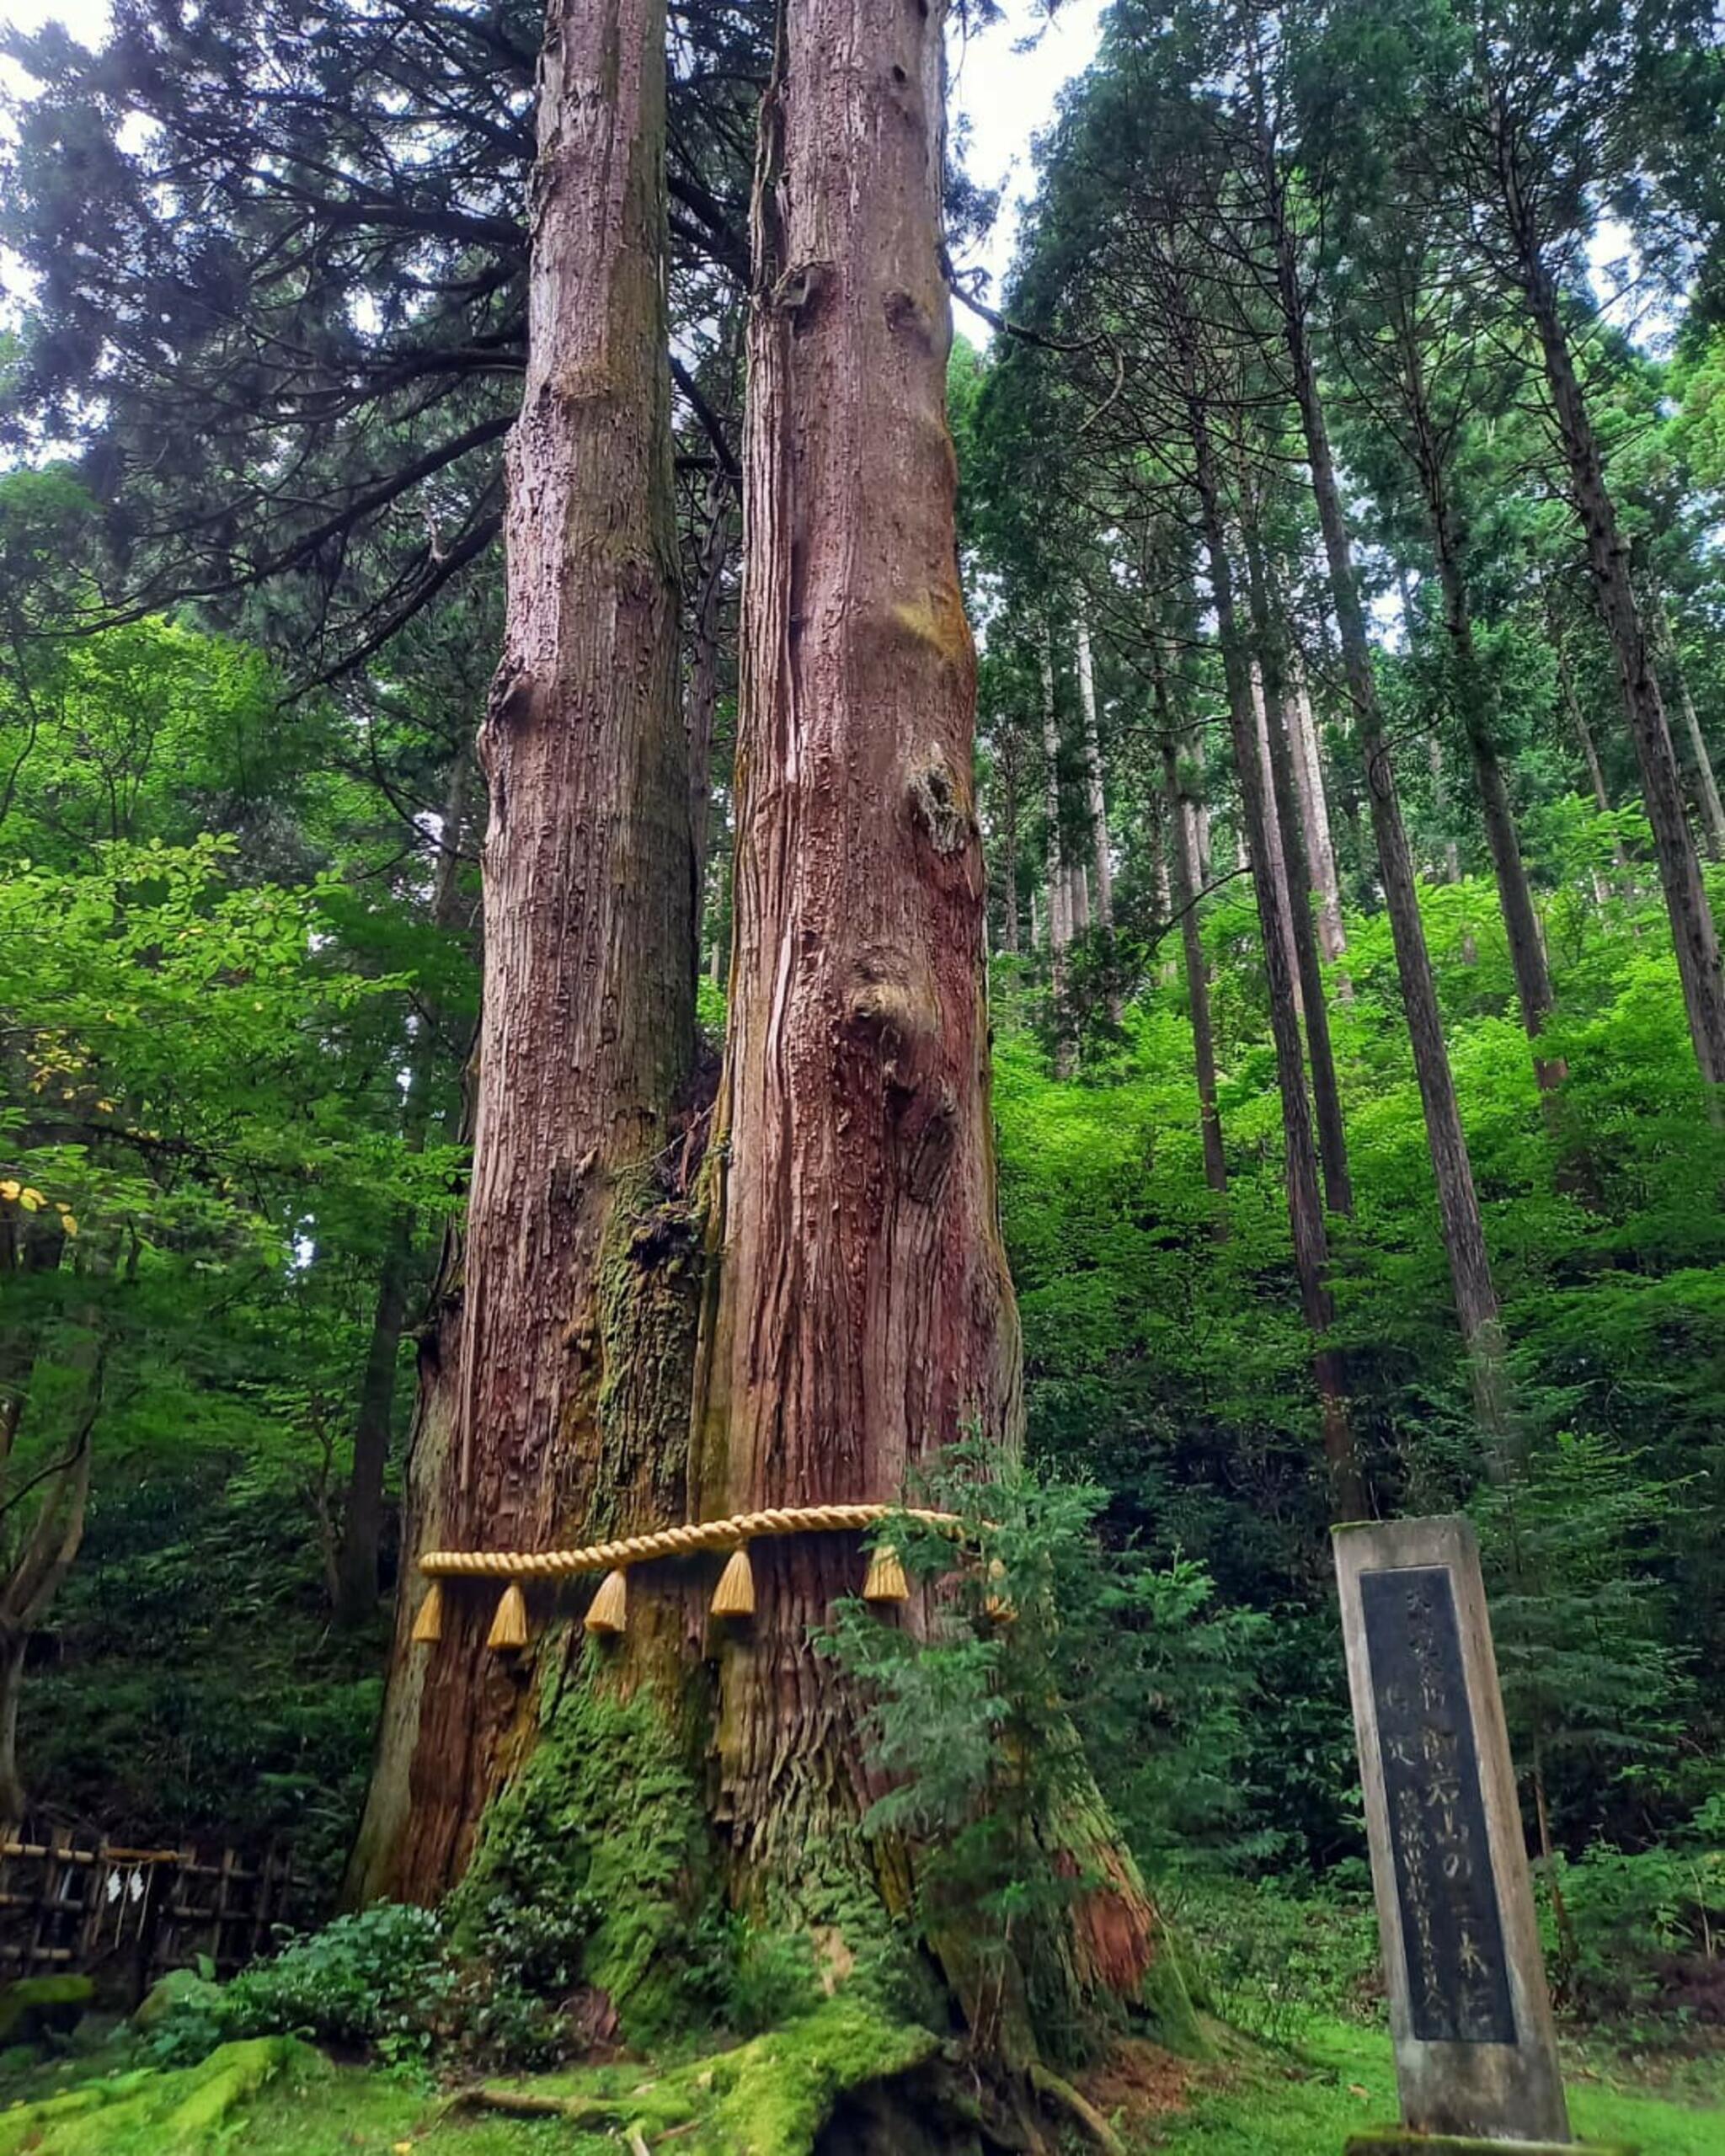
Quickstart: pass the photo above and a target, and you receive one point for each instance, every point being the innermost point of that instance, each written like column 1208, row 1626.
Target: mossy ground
column 1336, row 2079
column 276, row 2097
column 770, row 2097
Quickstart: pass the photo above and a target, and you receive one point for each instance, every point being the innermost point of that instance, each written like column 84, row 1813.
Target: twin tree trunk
column 851, row 1312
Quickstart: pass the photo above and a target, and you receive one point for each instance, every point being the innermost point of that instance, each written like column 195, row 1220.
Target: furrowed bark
column 587, row 1028
column 863, row 1317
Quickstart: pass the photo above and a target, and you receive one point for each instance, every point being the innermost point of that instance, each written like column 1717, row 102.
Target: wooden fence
column 67, row 1907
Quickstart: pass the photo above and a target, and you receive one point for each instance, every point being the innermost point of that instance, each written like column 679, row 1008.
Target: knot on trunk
column 938, row 803
column 902, row 1024
column 801, row 290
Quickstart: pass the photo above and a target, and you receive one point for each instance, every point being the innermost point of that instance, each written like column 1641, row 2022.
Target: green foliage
column 1054, row 1664
column 1640, row 1923
column 378, row 1978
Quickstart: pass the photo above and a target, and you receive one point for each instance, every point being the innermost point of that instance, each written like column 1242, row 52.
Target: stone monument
column 1470, row 2016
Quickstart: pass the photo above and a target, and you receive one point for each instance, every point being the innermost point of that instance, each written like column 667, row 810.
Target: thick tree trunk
column 1458, row 1203
column 1185, row 900
column 1692, row 930
column 864, row 1317
column 531, row 1425
column 1101, row 884
column 355, row 1583
column 1306, row 1212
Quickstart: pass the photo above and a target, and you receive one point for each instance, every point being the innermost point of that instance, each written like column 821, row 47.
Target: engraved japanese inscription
column 1452, row 1933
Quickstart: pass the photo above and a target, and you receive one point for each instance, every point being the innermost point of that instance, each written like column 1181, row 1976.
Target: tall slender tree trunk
column 535, row 1418
column 1185, row 899
column 1273, row 860
column 362, row 1516
column 1306, row 1212
column 1584, row 735
column 1474, row 705
column 1009, row 849
column 1692, row 930
column 863, row 1317
column 1458, row 1203
column 1315, row 813
column 1707, row 784
column 1326, row 1096
column 1198, row 803
column 1101, row 869
column 701, row 690
column 1059, row 883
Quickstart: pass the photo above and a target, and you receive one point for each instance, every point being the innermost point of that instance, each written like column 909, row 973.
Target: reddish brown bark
column 587, row 1026
column 863, row 1317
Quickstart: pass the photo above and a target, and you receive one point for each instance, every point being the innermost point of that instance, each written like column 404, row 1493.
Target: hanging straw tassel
column 508, row 1627
column 999, row 1606
column 428, row 1625
column 886, row 1580
column 608, row 1612
column 734, row 1595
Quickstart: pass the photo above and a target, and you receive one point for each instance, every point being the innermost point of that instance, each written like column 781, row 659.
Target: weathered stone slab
column 1470, row 2016
column 1395, row 2142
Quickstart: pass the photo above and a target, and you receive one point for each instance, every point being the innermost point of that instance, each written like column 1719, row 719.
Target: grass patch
column 1338, row 2079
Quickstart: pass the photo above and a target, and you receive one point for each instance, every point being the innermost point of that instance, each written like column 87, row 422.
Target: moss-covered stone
column 180, row 1988
column 34, row 2007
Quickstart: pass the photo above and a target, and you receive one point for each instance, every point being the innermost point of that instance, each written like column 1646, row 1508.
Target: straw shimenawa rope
column 672, row 1542
column 733, row 1596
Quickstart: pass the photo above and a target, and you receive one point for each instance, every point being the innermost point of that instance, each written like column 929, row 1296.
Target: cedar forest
column 638, row 886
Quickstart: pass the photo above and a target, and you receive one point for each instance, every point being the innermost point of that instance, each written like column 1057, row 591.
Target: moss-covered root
column 145, row 2113
column 771, row 2097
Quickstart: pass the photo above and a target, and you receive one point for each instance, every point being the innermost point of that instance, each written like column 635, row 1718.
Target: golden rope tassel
column 608, row 1612
column 734, row 1595
column 508, row 1627
column 999, row 1606
column 428, row 1625
column 886, row 1580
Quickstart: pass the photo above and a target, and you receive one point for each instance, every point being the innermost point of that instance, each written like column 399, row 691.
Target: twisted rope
column 672, row 1542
